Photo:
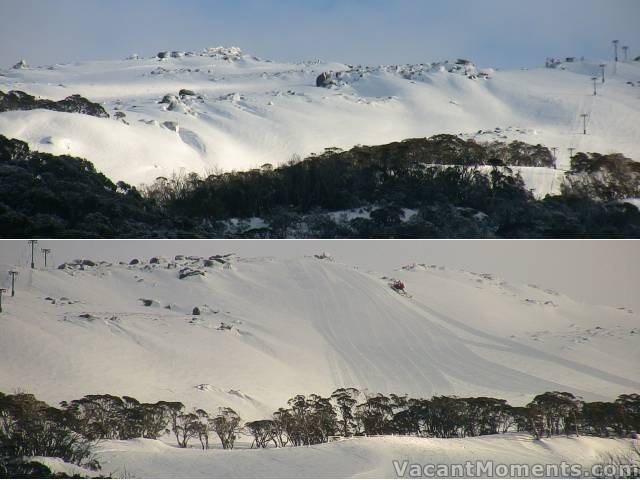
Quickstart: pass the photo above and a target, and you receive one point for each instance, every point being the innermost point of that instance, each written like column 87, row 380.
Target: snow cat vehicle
column 398, row 287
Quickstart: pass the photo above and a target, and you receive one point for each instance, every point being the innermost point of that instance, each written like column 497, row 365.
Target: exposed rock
column 18, row 100
column 21, row 64
column 168, row 98
column 233, row 97
column 171, row 125
column 221, row 258
column 189, row 272
column 149, row 122
column 186, row 91
column 324, row 80
column 154, row 260
column 196, row 311
column 135, row 261
column 77, row 264
column 160, row 71
column 176, row 105
column 162, row 54
column 226, row 53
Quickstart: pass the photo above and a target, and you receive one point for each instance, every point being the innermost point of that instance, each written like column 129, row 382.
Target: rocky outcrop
column 168, row 98
column 79, row 264
column 18, row 100
column 189, row 272
column 171, row 125
column 416, row 72
column 324, row 80
column 225, row 53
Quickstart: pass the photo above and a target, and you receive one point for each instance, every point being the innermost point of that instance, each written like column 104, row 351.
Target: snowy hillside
column 359, row 458
column 222, row 109
column 269, row 329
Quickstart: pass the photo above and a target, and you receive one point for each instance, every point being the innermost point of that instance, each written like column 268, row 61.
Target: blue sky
column 496, row 33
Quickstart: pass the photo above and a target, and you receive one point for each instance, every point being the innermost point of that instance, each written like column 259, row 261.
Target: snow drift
column 356, row 457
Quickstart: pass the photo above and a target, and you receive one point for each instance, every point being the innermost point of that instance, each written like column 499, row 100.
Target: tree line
column 347, row 412
column 456, row 188
column 406, row 173
column 18, row 100
column 30, row 427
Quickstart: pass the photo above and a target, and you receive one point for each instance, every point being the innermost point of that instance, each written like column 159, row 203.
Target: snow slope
column 303, row 326
column 356, row 457
column 247, row 111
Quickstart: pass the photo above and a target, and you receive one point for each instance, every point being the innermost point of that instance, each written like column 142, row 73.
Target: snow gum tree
column 346, row 399
column 227, row 426
column 262, row 432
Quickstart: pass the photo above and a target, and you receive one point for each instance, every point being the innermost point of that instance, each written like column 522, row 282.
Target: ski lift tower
column 602, row 66
column 45, row 252
column 33, row 244
column 615, row 49
column 624, row 51
column 13, row 274
column 2, row 290
column 584, row 122
column 594, row 79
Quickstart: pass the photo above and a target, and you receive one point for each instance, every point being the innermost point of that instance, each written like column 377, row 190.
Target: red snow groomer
column 398, row 287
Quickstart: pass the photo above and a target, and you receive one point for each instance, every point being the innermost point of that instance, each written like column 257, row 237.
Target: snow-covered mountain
column 266, row 329
column 223, row 109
